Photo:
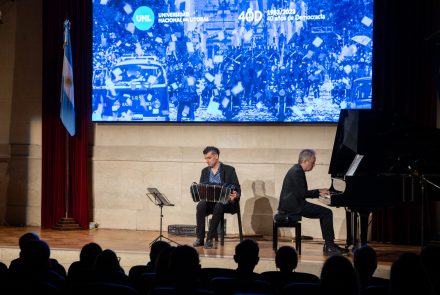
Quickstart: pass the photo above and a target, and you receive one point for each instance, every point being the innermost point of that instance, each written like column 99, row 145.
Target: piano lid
column 390, row 145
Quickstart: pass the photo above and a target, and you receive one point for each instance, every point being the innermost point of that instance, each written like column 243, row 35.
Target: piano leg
column 353, row 232
column 349, row 240
column 364, row 226
column 355, row 229
column 352, row 228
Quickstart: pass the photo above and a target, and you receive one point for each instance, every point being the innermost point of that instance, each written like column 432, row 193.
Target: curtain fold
column 57, row 145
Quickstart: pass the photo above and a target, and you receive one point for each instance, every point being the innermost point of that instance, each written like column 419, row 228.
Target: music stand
column 160, row 200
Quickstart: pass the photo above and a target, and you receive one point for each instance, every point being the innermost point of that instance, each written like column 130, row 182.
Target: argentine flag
column 67, row 112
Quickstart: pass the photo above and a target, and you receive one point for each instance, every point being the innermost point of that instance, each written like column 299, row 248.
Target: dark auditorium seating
column 302, row 289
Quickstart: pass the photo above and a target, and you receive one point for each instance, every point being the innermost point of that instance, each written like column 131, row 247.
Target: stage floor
column 133, row 248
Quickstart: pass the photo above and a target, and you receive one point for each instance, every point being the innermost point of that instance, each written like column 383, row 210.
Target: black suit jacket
column 294, row 191
column 227, row 175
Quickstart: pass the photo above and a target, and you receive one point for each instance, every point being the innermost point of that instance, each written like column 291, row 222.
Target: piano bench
column 291, row 223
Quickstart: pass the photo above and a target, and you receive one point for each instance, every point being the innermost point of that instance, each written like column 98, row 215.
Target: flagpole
column 67, row 157
column 67, row 189
column 67, row 116
column 67, row 47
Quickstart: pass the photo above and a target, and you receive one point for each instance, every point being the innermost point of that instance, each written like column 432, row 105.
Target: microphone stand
column 423, row 181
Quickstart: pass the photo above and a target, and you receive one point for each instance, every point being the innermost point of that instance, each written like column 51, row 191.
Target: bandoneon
column 211, row 192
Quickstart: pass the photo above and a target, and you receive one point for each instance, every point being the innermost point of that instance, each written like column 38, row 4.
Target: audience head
column 162, row 262
column 26, row 238
column 365, row 262
column 89, row 253
column 185, row 265
column 156, row 248
column 35, row 254
column 107, row 261
column 407, row 276
column 430, row 258
column 3, row 272
column 339, row 277
column 286, row 259
column 246, row 255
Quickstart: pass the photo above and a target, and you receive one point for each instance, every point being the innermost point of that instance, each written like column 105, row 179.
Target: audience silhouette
column 409, row 277
column 163, row 271
column 177, row 270
column 16, row 263
column 286, row 260
column 108, row 269
column 137, row 270
column 430, row 258
column 247, row 256
column 82, row 271
column 185, row 267
column 365, row 264
column 32, row 272
column 156, row 249
column 339, row 277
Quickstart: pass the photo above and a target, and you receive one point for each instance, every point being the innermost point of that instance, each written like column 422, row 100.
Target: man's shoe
column 209, row 244
column 332, row 250
column 198, row 243
column 342, row 249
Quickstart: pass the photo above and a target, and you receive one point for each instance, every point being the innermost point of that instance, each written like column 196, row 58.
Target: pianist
column 216, row 172
column 293, row 200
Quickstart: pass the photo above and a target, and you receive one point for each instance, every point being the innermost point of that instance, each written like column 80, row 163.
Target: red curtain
column 64, row 158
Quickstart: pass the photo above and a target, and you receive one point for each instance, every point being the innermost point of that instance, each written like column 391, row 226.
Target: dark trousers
column 206, row 208
column 325, row 216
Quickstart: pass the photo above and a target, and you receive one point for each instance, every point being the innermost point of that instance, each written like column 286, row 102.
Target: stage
column 133, row 248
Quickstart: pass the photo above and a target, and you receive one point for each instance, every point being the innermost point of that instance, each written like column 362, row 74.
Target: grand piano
column 395, row 156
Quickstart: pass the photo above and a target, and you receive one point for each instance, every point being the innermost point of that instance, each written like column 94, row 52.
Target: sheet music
column 354, row 165
column 153, row 190
column 158, row 198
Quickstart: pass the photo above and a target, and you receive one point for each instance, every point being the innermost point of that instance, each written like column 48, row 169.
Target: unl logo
column 143, row 18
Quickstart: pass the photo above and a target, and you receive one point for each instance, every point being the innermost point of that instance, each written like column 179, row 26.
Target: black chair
column 284, row 221
column 280, row 279
column 107, row 288
column 146, row 282
column 301, row 289
column 375, row 290
column 28, row 287
column 220, row 234
column 208, row 273
column 176, row 291
column 137, row 270
column 231, row 286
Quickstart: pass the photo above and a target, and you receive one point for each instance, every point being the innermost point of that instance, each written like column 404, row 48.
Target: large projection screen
column 233, row 61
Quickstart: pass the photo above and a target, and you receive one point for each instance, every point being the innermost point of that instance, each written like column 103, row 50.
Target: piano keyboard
column 325, row 199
